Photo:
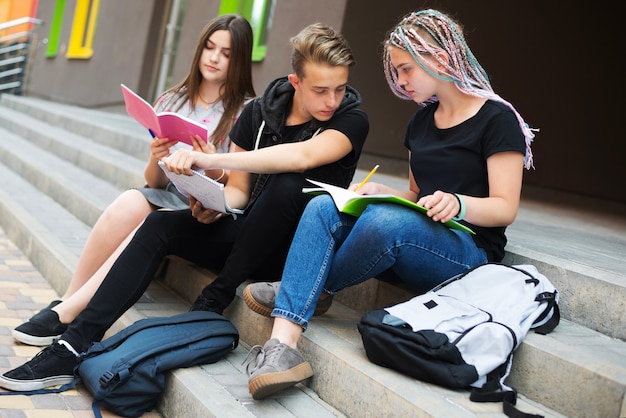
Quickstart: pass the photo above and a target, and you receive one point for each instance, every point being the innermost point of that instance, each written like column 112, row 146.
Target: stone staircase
column 61, row 165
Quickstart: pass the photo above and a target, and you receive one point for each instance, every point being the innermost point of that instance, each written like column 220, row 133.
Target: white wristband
column 462, row 208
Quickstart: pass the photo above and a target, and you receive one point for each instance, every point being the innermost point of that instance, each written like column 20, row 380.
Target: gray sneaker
column 261, row 298
column 274, row 367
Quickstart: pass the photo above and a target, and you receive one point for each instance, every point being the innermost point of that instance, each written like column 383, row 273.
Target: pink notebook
column 164, row 124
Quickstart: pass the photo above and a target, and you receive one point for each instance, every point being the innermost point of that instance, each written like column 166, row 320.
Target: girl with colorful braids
column 467, row 151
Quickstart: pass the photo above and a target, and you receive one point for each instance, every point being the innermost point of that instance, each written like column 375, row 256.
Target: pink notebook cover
column 163, row 125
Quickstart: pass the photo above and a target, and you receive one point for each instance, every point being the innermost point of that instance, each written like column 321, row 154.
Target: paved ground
column 23, row 291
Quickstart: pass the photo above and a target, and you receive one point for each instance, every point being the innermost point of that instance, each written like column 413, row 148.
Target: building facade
column 556, row 64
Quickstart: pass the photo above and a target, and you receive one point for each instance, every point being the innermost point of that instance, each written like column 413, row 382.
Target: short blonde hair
column 320, row 44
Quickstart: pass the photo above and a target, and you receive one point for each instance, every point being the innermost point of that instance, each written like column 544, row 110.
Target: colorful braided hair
column 413, row 33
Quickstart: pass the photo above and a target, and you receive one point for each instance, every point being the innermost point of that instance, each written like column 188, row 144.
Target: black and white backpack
column 462, row 333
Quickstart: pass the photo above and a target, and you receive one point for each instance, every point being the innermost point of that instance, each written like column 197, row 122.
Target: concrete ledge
column 117, row 131
column 120, row 169
column 576, row 370
column 194, row 393
column 80, row 192
column 39, row 244
column 588, row 296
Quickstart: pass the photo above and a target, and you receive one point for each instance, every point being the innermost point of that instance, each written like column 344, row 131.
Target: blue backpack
column 126, row 372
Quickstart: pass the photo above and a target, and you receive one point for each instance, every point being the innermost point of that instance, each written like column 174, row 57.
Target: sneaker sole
column 265, row 311
column 254, row 305
column 37, row 384
column 33, row 340
column 267, row 384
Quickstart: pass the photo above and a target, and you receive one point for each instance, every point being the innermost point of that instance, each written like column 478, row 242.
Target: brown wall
column 126, row 48
column 197, row 15
column 290, row 16
column 557, row 63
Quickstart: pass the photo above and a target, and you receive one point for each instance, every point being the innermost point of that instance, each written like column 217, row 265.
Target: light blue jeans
column 331, row 251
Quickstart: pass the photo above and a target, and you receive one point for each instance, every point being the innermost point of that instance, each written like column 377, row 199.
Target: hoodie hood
column 278, row 97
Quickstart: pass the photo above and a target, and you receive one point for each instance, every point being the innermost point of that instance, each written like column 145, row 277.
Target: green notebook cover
column 354, row 204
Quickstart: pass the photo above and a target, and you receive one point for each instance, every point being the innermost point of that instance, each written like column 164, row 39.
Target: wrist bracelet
column 220, row 177
column 462, row 208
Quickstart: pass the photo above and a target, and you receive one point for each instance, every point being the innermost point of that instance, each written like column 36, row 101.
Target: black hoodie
column 260, row 124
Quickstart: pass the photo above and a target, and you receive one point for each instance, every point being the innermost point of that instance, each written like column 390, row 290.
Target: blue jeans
column 331, row 251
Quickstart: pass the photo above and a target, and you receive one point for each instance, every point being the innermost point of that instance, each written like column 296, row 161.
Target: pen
column 371, row 173
column 151, row 133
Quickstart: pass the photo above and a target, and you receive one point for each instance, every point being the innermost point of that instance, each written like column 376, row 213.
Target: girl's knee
column 387, row 214
column 131, row 201
column 320, row 205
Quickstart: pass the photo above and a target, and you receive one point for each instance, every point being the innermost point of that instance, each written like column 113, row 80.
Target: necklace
column 206, row 103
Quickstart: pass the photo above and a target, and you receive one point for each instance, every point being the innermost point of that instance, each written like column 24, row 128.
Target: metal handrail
column 14, row 58
column 20, row 21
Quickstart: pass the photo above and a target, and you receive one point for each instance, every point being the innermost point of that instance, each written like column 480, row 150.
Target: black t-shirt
column 454, row 160
column 353, row 123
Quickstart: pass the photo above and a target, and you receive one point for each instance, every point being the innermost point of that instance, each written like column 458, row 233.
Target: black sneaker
column 204, row 304
column 40, row 330
column 51, row 305
column 53, row 366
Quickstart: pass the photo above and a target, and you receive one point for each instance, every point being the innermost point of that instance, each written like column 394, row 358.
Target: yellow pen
column 371, row 173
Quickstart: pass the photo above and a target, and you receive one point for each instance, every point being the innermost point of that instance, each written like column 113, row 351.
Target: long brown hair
column 238, row 86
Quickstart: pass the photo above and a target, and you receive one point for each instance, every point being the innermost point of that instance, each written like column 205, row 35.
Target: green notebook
column 354, row 204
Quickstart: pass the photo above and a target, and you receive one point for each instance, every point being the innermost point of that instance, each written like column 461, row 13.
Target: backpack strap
column 103, row 389
column 550, row 298
column 512, row 412
column 495, row 391
column 60, row 389
column 552, row 306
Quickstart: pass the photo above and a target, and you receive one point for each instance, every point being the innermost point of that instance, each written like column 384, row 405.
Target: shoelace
column 271, row 356
column 43, row 354
column 256, row 353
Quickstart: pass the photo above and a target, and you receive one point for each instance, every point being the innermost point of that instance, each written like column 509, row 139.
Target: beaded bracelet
column 462, row 208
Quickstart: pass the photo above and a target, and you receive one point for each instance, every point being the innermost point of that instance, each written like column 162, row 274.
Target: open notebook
column 354, row 204
column 163, row 124
column 204, row 189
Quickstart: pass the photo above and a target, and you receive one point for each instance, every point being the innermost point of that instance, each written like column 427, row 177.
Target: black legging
column 257, row 243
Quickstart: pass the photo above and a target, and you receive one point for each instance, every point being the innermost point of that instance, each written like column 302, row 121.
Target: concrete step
column 82, row 193
column 580, row 244
column 553, row 373
column 114, row 130
column 120, row 169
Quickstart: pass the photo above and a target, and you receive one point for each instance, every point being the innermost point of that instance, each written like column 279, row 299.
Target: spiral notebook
column 204, row 189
